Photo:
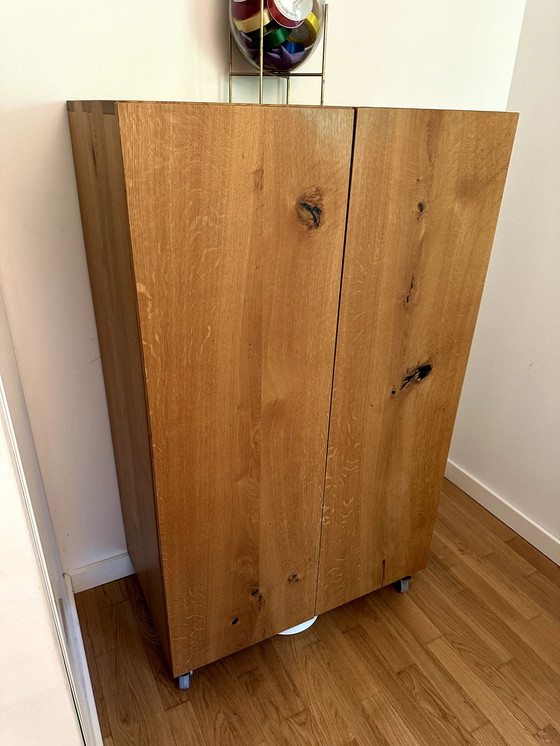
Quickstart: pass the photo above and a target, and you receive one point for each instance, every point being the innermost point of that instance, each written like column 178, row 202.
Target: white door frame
column 57, row 587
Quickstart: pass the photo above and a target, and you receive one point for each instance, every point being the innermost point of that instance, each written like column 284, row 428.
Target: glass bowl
column 292, row 30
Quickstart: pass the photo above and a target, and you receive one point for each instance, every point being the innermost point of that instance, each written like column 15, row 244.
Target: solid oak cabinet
column 285, row 300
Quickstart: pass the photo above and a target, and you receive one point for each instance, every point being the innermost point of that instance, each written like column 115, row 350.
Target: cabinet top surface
column 109, row 106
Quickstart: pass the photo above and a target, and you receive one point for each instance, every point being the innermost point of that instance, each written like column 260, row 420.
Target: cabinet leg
column 184, row 681
column 402, row 585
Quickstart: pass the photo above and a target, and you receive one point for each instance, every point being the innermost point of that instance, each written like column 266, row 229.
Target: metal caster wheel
column 184, row 681
column 402, row 585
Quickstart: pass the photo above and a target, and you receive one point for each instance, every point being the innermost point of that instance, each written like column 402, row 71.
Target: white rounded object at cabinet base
column 299, row 627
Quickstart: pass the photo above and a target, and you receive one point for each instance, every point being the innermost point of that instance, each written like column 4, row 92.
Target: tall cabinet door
column 426, row 190
column 237, row 219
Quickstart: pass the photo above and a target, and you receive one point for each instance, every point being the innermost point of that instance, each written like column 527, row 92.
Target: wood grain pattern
column 460, row 674
column 426, row 190
column 215, row 240
column 98, row 163
column 237, row 221
column 545, row 565
column 136, row 715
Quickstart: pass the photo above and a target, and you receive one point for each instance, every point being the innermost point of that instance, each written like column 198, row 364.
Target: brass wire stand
column 262, row 73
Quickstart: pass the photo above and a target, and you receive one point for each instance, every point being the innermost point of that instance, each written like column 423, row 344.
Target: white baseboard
column 98, row 573
column 525, row 526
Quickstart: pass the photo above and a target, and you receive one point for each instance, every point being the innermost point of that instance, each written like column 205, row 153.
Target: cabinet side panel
column 98, row 162
column 237, row 222
column 426, row 190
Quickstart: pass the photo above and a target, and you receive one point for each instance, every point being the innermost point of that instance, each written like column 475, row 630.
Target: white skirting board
column 105, row 571
column 525, row 526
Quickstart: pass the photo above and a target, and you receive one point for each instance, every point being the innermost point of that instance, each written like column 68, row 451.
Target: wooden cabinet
column 285, row 300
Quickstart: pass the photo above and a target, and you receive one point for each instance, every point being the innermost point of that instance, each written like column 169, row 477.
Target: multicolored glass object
column 291, row 30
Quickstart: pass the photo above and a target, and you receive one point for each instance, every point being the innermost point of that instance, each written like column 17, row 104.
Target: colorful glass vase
column 292, row 29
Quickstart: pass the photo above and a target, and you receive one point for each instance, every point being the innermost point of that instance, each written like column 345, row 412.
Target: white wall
column 15, row 401
column 507, row 434
column 35, row 700
column 426, row 53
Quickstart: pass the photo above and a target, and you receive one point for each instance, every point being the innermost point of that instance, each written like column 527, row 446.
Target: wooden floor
column 470, row 655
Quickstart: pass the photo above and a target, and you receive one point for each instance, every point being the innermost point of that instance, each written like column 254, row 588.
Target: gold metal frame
column 262, row 73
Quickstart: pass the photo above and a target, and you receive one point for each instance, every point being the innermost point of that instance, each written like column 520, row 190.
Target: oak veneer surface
column 448, row 663
column 237, row 219
column 98, row 162
column 216, row 256
column 426, row 190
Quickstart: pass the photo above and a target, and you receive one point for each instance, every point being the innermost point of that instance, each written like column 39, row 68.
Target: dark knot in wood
column 414, row 376
column 309, row 209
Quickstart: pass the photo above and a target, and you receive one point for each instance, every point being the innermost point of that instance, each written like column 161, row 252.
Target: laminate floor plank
column 350, row 672
column 446, row 579
column 510, row 562
column 217, row 720
column 537, row 559
column 350, row 682
column 232, row 694
column 461, row 629
column 536, row 588
column 110, row 593
column 286, row 695
column 471, row 655
column 473, row 509
column 519, row 703
column 391, row 646
column 468, row 524
column 434, row 701
column 95, row 623
column 459, row 706
column 441, row 551
column 304, row 730
column 542, row 635
column 388, row 721
column 261, row 692
column 463, row 539
column 487, row 735
column 410, row 615
column 544, row 700
column 423, row 721
column 93, row 637
column 103, row 715
column 263, row 675
column 488, row 592
column 546, row 594
column 184, row 725
column 512, row 593
column 528, row 670
column 136, row 713
column 497, row 713
column 549, row 735
column 319, row 691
